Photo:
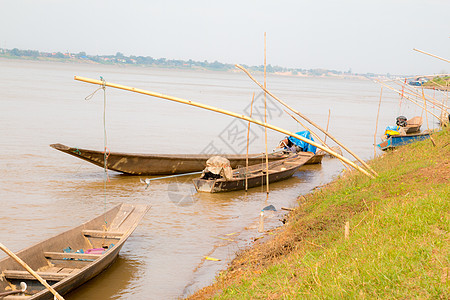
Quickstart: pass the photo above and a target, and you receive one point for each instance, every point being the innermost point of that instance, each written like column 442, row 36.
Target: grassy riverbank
column 398, row 245
column 439, row 83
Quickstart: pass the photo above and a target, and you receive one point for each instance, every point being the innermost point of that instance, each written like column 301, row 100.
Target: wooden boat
column 256, row 175
column 400, row 140
column 413, row 125
column 58, row 262
column 418, row 81
column 322, row 153
column 315, row 159
column 161, row 164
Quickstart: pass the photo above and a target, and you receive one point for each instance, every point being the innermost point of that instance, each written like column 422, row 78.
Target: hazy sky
column 364, row 35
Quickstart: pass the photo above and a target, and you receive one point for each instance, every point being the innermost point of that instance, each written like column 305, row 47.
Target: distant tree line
column 120, row 58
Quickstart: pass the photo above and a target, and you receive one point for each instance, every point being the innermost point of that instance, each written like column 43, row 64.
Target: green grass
column 440, row 81
column 399, row 237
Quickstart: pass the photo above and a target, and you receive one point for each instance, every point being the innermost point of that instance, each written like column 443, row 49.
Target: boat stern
column 384, row 145
column 203, row 185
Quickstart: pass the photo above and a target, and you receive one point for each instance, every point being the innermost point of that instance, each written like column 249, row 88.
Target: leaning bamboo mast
column 306, row 128
column 31, row 271
column 376, row 126
column 265, row 119
column 308, row 120
column 435, row 56
column 315, row 135
column 225, row 112
column 248, row 141
column 328, row 123
column 409, row 98
column 415, row 93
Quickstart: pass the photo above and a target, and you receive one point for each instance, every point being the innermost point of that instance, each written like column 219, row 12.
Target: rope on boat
column 105, row 142
column 106, row 151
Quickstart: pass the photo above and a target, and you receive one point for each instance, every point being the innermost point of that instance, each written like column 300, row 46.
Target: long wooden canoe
column 71, row 258
column 160, row 164
column 256, row 175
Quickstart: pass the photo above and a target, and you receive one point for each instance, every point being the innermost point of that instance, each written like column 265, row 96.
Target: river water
column 44, row 192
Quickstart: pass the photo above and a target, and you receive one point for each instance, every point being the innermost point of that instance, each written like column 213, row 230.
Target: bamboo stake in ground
column 347, row 230
column 376, row 127
column 261, row 222
column 26, row 267
column 328, row 123
column 308, row 120
column 426, row 116
column 248, row 136
column 225, row 112
column 265, row 118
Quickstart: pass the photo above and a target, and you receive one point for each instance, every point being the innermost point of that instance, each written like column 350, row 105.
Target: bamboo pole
column 248, row 136
column 315, row 135
column 444, row 88
column 376, row 127
column 426, row 115
column 265, row 119
column 308, row 120
column 26, row 267
column 306, row 128
column 391, row 88
column 225, row 112
column 328, row 123
column 435, row 56
column 418, row 96
column 415, row 93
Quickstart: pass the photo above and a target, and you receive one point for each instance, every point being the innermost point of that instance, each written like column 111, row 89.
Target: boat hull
column 160, row 164
column 49, row 259
column 278, row 171
column 400, row 140
column 316, row 159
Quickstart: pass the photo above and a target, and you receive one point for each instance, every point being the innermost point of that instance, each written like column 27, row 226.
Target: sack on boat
column 218, row 165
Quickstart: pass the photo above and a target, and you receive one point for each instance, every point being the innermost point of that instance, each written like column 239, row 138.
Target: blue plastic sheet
column 301, row 144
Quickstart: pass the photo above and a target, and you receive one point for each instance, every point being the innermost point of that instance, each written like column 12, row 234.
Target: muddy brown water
column 44, row 192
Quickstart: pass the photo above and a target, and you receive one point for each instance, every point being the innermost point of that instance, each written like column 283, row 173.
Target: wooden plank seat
column 76, row 256
column 103, row 234
column 24, row 275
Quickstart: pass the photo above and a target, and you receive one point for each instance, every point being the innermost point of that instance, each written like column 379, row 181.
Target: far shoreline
column 195, row 69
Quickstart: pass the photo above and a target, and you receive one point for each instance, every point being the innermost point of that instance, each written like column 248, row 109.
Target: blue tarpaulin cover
column 305, row 146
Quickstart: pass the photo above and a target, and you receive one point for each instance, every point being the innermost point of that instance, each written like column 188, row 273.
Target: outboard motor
column 401, row 121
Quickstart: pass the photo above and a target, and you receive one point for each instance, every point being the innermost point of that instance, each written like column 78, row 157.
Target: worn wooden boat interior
column 159, row 164
column 73, row 257
column 413, row 125
column 256, row 174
